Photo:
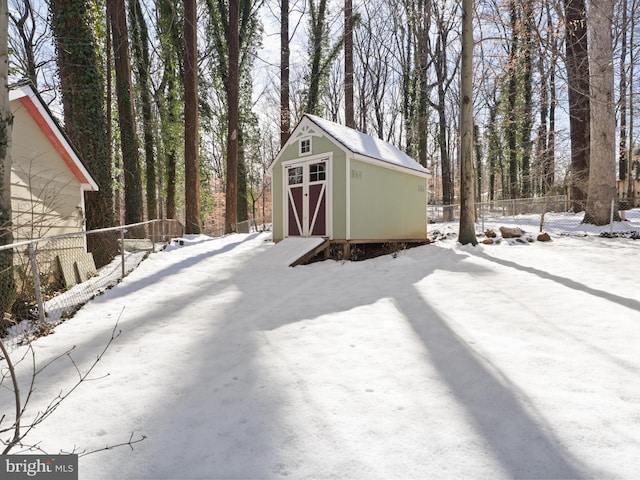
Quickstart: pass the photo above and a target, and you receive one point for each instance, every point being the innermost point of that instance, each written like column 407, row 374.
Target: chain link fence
column 247, row 226
column 44, row 281
column 550, row 214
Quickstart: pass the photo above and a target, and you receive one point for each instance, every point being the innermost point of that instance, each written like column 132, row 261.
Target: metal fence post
column 122, row 249
column 36, row 282
column 153, row 236
column 613, row 206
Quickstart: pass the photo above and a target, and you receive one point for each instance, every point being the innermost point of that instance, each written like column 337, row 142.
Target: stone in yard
column 511, row 232
column 544, row 237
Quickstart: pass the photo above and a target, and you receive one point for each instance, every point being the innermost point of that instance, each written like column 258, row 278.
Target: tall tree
column 632, row 56
column 169, row 98
column 444, row 78
column 7, row 283
column 233, row 97
column 622, row 92
column 26, row 41
column 546, row 128
column 140, row 47
column 527, row 107
column 420, row 13
column 285, row 109
column 350, row 120
column 133, row 209
column 191, row 158
column 321, row 55
column 84, row 111
column 602, row 168
column 577, row 63
column 219, row 34
column 512, row 97
column 467, row 232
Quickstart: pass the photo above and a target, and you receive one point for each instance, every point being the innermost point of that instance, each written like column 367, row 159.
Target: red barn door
column 307, row 199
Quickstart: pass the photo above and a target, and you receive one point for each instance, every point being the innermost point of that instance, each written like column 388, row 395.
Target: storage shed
column 335, row 182
column 48, row 178
column 48, row 181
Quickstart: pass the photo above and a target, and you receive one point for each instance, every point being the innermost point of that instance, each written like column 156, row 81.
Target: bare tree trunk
column 285, row 111
column 133, row 209
column 467, row 232
column 22, row 15
column 440, row 63
column 630, row 176
column 350, row 120
column 7, row 283
column 512, row 118
column 494, row 151
column 231, row 204
column 191, row 159
column 543, row 132
column 550, row 152
column 577, row 63
column 602, row 169
column 622, row 105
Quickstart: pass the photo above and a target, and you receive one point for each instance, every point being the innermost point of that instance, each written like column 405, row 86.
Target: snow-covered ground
column 494, row 361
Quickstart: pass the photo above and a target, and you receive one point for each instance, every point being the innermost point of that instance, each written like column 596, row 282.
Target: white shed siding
column 47, row 178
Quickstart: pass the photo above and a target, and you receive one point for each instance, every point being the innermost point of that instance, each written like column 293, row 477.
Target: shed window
column 295, row 175
column 317, row 172
column 305, row 146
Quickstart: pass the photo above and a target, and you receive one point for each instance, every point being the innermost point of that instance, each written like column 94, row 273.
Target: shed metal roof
column 366, row 145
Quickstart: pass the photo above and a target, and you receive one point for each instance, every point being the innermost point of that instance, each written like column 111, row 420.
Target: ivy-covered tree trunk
column 168, row 99
column 527, row 107
column 140, row 44
column 248, row 32
column 243, row 202
column 512, row 95
column 349, row 115
column 285, row 110
column 133, row 209
column 422, row 69
column 84, row 113
column 317, row 36
column 477, row 144
column 494, row 150
column 7, row 283
column 321, row 55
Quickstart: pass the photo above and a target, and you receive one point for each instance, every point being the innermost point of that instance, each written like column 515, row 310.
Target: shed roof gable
column 29, row 99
